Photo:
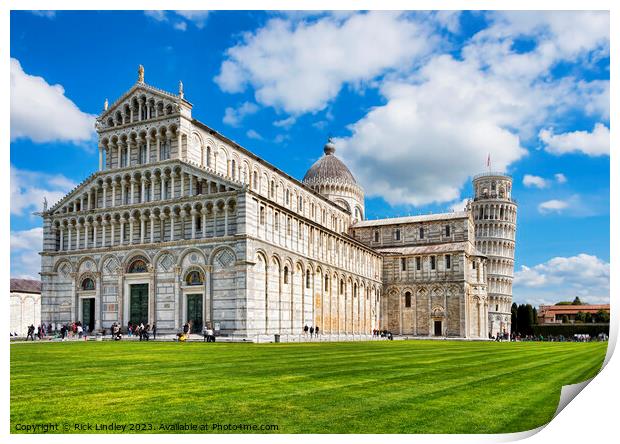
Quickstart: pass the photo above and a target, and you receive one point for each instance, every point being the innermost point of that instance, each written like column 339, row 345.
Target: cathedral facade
column 182, row 224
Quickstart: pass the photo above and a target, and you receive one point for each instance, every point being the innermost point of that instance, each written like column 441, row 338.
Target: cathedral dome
column 329, row 169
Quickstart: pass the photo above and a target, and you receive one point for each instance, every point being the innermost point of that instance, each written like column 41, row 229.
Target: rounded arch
column 193, row 276
column 87, row 282
column 222, row 257
column 187, row 251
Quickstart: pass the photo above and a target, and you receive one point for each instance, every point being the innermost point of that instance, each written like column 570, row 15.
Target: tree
column 602, row 317
column 564, row 319
column 513, row 318
column 535, row 320
column 588, row 318
column 580, row 316
column 577, row 301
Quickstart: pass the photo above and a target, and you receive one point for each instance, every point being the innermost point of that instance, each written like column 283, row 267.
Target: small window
column 432, row 262
column 326, row 282
column 407, row 300
column 397, row 234
column 194, row 278
column 273, row 189
column 447, row 230
column 421, row 232
column 88, row 284
column 277, row 221
column 496, row 307
column 418, row 263
column 448, row 261
column 262, row 216
column 341, row 287
column 286, row 275
column 403, row 264
column 376, row 236
column 307, row 278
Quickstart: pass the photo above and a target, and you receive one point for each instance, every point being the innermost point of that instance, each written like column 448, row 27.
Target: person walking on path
column 30, row 333
column 316, row 331
column 154, row 330
column 305, row 330
column 311, row 332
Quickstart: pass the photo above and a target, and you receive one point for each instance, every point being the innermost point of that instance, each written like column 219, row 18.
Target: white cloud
column 460, row 205
column 552, row 206
column 560, row 178
column 179, row 19
column 563, row 278
column 25, row 246
column 46, row 14
column 197, row 17
column 42, row 113
column 28, row 188
column 234, row 116
column 451, row 20
column 452, row 110
column 300, row 66
column 180, row 26
column 253, row 135
column 529, row 180
column 285, row 123
column 595, row 143
column 157, row 15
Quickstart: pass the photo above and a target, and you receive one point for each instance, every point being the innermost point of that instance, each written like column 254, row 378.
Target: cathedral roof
column 412, row 219
column 329, row 169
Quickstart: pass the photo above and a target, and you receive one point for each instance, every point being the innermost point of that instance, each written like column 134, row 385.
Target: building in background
column 25, row 305
column 558, row 314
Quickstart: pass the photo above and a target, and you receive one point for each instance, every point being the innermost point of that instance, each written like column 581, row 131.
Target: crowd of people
column 578, row 337
column 50, row 331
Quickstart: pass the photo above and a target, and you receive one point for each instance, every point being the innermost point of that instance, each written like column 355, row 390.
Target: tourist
column 311, row 332
column 316, row 331
column 305, row 330
column 30, row 333
column 129, row 329
column 154, row 330
column 80, row 330
column 146, row 332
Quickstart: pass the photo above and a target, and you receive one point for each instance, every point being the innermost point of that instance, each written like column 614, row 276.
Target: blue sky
column 416, row 102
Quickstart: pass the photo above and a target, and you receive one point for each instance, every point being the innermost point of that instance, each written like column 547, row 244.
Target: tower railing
column 491, row 173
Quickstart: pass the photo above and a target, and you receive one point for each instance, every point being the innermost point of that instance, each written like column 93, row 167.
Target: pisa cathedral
column 182, row 224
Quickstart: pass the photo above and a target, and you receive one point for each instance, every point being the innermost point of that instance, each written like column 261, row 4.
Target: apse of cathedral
column 181, row 224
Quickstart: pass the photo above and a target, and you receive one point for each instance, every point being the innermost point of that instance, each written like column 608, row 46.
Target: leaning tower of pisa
column 495, row 218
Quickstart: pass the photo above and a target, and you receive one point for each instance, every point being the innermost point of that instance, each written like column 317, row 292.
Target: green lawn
column 348, row 387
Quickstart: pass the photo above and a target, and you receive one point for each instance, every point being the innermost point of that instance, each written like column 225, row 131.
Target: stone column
column 122, row 230
column 105, row 195
column 132, row 191
column 123, row 191
column 77, row 235
column 172, row 174
column 162, row 179
column 152, row 188
column 214, row 220
column 204, row 222
column 62, row 237
column 157, row 154
column 142, row 228
column 193, row 214
column 172, row 218
column 148, row 149
column 104, row 224
column 142, row 189
column 131, row 221
column 70, row 232
column 182, row 174
column 100, row 157
column 95, row 225
column 152, row 227
column 180, row 149
column 226, row 220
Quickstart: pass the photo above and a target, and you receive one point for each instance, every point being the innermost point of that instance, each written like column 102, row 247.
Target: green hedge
column 568, row 330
